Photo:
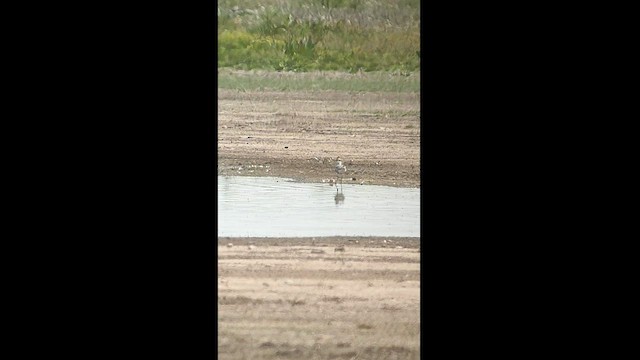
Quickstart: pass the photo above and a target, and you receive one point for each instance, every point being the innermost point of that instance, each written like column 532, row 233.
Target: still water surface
column 278, row 207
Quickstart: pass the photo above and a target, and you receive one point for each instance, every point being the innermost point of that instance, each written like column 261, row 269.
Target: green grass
column 283, row 81
column 319, row 35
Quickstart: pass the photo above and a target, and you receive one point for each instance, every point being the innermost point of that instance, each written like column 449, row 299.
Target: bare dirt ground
column 303, row 299
column 299, row 134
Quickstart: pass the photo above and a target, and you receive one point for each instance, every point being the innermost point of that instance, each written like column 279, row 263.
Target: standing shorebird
column 340, row 171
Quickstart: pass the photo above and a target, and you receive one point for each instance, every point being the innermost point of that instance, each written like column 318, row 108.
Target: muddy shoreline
column 325, row 241
column 299, row 135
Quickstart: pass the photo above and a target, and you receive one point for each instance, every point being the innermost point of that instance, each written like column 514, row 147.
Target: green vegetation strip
column 309, row 81
column 327, row 35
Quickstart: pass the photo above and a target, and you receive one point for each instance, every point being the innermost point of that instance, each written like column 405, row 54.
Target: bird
column 340, row 171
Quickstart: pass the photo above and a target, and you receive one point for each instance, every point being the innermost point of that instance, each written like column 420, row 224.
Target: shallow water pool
column 278, row 207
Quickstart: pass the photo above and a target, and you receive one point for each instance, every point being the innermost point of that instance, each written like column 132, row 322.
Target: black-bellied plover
column 340, row 170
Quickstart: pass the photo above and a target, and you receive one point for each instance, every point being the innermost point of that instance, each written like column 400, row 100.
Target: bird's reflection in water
column 339, row 198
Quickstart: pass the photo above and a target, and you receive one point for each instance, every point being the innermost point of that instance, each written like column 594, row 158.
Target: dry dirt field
column 302, row 299
column 299, row 134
